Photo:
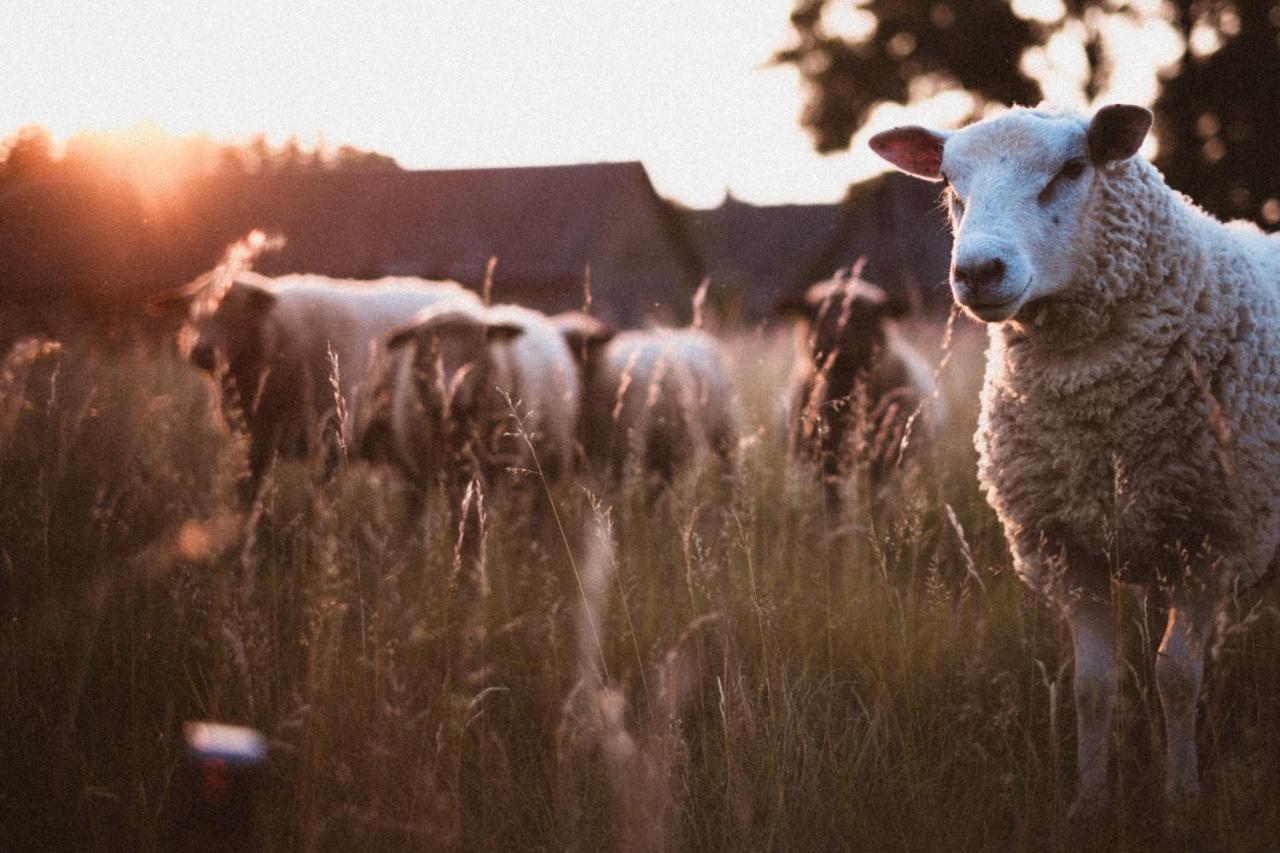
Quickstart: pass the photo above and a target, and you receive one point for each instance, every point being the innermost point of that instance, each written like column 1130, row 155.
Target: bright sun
column 154, row 161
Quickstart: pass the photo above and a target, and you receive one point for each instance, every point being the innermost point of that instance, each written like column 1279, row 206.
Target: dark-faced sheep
column 860, row 393
column 655, row 402
column 280, row 338
column 459, row 376
column 1130, row 425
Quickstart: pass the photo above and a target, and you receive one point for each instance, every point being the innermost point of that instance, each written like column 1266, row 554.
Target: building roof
column 758, row 251
column 898, row 224
column 543, row 224
column 761, row 252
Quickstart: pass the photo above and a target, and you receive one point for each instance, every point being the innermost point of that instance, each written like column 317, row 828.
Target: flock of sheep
column 1130, row 422
column 425, row 376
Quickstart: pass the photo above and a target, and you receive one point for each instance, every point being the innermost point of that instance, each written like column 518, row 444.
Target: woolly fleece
column 659, row 398
column 1100, row 440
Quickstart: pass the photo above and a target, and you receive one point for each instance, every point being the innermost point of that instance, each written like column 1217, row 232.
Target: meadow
column 730, row 666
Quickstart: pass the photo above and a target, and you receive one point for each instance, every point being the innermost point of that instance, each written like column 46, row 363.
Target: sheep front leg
column 1093, row 636
column 1179, row 674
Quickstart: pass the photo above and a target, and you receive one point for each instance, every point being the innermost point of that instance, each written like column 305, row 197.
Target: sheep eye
column 1072, row 169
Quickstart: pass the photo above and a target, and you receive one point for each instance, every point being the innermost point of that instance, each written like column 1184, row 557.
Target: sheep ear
column 401, row 336
column 258, row 298
column 583, row 340
column 912, row 149
column 1117, row 131
column 502, row 331
column 174, row 304
column 794, row 305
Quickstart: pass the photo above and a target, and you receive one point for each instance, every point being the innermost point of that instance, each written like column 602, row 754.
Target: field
column 751, row 671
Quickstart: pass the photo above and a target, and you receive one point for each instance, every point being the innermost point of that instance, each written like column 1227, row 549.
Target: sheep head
column 1019, row 189
column 584, row 334
column 446, row 369
column 235, row 330
column 452, row 354
column 845, row 322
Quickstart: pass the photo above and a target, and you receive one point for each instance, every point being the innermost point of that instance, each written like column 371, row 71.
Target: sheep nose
column 980, row 276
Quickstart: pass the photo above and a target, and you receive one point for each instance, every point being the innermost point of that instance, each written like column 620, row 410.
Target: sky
column 682, row 85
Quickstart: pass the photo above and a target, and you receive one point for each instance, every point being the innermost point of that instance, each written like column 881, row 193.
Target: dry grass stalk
column 1218, row 426
column 901, row 714
column 700, row 303
column 486, row 292
column 340, row 413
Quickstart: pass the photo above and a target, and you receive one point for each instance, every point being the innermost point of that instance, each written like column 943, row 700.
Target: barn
column 754, row 253
column 544, row 225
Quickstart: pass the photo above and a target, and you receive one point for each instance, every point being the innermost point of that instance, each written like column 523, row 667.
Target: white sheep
column 280, row 337
column 657, row 401
column 460, row 373
column 1130, row 426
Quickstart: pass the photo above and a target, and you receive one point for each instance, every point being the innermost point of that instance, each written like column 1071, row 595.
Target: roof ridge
column 595, row 165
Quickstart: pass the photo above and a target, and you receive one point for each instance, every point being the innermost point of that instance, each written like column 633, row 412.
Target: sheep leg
column 1093, row 636
column 1179, row 674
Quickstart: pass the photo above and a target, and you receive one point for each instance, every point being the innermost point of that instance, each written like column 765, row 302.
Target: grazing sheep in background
column 1130, row 426
column 447, row 372
column 855, row 369
column 586, row 337
column 278, row 338
column 656, row 401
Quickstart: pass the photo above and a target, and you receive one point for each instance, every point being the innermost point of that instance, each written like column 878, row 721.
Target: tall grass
column 759, row 674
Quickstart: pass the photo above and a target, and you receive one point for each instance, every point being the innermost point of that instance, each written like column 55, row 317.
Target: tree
column 27, row 153
column 352, row 159
column 1218, row 112
column 1218, row 120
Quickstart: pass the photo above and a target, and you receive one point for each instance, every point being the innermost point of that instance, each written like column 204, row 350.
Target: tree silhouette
column 1218, row 113
column 1218, row 120
column 27, row 154
column 78, row 229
